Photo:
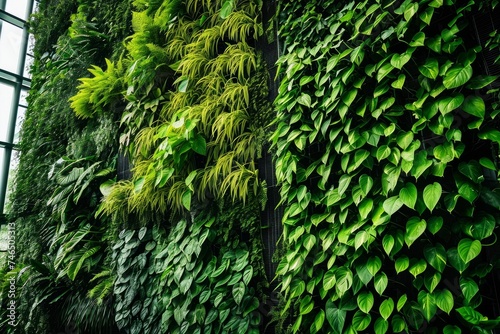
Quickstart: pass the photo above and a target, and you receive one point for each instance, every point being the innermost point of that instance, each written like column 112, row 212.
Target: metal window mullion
column 8, row 17
column 4, row 171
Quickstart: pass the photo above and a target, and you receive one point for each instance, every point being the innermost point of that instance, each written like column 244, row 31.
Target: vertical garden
column 138, row 202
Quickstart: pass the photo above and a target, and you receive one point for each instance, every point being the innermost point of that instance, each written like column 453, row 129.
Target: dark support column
column 272, row 215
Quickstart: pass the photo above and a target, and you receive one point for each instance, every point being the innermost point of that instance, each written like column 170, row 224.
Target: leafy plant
column 382, row 146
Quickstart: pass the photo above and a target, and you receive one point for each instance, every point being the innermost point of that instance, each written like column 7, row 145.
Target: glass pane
column 21, row 111
column 27, row 67
column 10, row 47
column 17, row 8
column 6, row 94
column 2, row 171
column 22, row 98
column 31, row 44
column 14, row 163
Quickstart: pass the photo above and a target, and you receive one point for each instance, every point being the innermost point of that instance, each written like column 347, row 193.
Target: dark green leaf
column 336, row 317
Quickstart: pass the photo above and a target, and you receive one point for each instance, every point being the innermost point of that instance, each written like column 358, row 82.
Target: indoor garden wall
column 138, row 199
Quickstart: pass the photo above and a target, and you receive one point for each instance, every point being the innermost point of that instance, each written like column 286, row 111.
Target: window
column 16, row 57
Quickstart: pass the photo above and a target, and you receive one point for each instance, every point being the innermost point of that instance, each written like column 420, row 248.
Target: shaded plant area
column 178, row 88
column 387, row 151
column 60, row 246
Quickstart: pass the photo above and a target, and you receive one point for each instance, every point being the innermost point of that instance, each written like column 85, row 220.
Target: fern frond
column 103, row 289
column 212, row 83
column 240, row 182
column 116, row 201
column 209, row 39
column 174, row 195
column 235, row 95
column 228, row 126
column 145, row 141
column 211, row 6
column 193, row 65
column 239, row 25
column 247, row 146
column 237, row 60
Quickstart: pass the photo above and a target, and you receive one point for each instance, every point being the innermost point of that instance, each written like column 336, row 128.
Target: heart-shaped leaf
column 432, row 194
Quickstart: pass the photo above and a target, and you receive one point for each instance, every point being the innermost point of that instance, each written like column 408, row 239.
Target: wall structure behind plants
column 387, row 151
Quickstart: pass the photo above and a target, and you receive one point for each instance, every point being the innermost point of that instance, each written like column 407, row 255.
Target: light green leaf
column 408, row 195
column 432, row 194
column 365, row 301
column 468, row 249
column 305, row 100
column 444, row 300
column 392, row 205
column 183, row 85
column 450, row 103
column 227, row 9
column 481, row 81
column 318, row 321
column 490, row 134
column 366, row 183
column 373, row 265
column 428, row 304
column 380, row 283
column 444, row 152
column 469, row 288
column 402, row 263
column 344, row 279
column 455, row 260
column 418, row 267
column 238, row 292
column 415, row 227
column 436, row 256
column 361, row 321
column 329, row 279
column 365, row 207
column 470, row 315
column 474, row 105
column 430, row 69
column 457, row 76
column 386, row 308
column 186, row 199
column 401, row 302
column 431, row 281
column 381, row 326
column 306, row 304
column 388, row 243
column 399, row 82
column 398, row 61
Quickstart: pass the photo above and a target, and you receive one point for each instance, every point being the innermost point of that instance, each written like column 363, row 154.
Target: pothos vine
column 385, row 131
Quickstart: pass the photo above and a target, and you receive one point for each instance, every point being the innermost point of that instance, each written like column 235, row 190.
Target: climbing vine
column 387, row 151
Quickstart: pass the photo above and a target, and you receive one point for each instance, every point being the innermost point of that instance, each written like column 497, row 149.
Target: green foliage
column 96, row 92
column 383, row 144
column 197, row 278
column 195, row 121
